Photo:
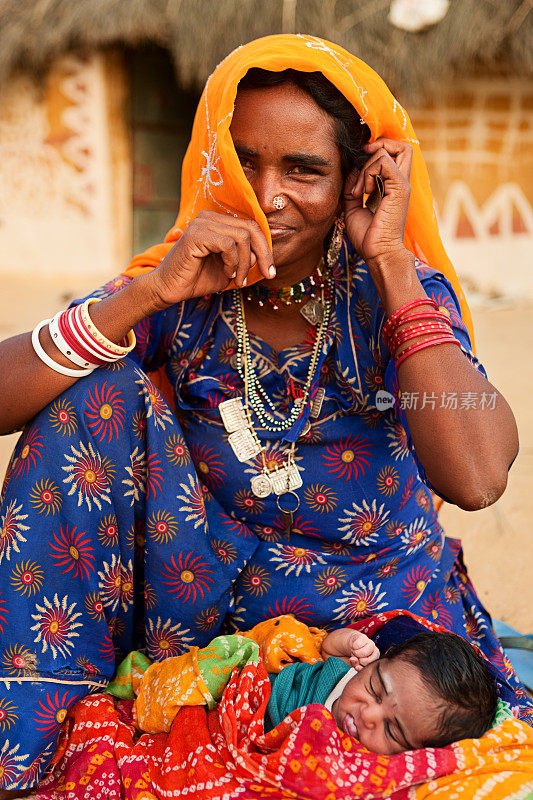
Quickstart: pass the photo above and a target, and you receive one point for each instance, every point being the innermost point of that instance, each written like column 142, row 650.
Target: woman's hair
column 452, row 670
column 351, row 133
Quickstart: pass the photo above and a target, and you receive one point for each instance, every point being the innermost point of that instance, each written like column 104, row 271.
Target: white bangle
column 45, row 358
column 63, row 346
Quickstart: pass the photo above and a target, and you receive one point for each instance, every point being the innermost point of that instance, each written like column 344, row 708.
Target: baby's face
column 387, row 708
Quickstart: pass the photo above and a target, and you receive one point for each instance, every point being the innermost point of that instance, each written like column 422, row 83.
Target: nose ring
column 279, row 202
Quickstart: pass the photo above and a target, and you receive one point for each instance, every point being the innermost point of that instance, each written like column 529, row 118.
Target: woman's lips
column 349, row 726
column 278, row 232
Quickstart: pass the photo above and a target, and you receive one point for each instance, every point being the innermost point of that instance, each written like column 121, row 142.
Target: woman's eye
column 302, row 169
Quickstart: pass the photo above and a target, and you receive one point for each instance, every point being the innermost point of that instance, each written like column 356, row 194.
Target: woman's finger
column 401, row 152
column 262, row 251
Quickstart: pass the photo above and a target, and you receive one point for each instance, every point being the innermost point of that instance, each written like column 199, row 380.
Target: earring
column 279, row 202
column 335, row 244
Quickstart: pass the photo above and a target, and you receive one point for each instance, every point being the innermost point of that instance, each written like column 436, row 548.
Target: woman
column 311, row 495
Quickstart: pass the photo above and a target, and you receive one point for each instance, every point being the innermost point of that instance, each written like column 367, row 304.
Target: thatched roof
column 199, row 33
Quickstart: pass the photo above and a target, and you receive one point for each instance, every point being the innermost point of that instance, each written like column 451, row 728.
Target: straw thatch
column 199, row 33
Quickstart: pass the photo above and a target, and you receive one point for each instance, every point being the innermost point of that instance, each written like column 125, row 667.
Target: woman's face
column 286, row 145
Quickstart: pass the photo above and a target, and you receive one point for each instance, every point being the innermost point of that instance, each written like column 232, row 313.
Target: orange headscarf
column 212, row 177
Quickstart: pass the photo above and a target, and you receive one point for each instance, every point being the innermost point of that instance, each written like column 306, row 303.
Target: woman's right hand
column 214, row 250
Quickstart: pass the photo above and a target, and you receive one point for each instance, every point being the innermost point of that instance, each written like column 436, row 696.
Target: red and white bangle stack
column 75, row 335
column 406, row 333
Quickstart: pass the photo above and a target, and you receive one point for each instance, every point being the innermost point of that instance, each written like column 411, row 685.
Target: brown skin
column 387, row 708
column 466, row 453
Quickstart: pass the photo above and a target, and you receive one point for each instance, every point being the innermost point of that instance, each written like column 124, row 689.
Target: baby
column 429, row 691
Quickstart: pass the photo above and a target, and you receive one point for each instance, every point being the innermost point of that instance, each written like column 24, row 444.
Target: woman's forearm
column 27, row 384
column 466, row 450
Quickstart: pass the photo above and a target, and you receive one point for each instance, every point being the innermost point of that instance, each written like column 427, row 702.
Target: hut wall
column 477, row 138
column 67, row 165
column 65, row 170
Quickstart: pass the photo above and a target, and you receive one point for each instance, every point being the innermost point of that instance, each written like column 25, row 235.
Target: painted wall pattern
column 55, row 172
column 57, row 179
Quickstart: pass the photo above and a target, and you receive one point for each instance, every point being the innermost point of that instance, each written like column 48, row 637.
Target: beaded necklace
column 287, row 295
column 238, row 421
column 249, row 377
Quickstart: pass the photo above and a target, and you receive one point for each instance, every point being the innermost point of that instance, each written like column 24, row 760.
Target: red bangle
column 64, row 322
column 401, row 337
column 425, row 315
column 420, row 301
column 422, row 346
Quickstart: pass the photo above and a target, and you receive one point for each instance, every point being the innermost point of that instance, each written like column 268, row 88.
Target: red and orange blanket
column 222, row 751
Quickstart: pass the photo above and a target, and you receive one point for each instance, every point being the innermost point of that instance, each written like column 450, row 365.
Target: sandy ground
column 497, row 541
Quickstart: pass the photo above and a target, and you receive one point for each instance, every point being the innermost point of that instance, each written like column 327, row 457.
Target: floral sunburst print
column 330, row 580
column 363, row 523
column 434, row 609
column 27, row 578
column 388, row 480
column 177, row 451
column 374, row 379
column 72, row 550
column 161, row 527
column 360, row 600
column 45, row 497
column 245, row 500
column 154, row 475
column 320, row 498
column 50, row 715
column 150, row 596
column 107, row 530
column 500, row 660
column 299, row 607
column 388, row 568
column 337, row 548
column 156, row 407
column 94, row 606
column 138, row 424
column 451, row 594
column 416, row 536
column 56, row 625
column 225, row 552
column 164, row 640
column 207, row 619
column 11, row 763
column 294, row 559
column 363, row 313
column 63, row 418
column 267, row 533
column 348, row 458
column 105, row 411
column 187, row 578
column 8, row 714
column 90, row 476
column 475, row 624
column 209, row 465
column 415, row 583
column 136, row 471
column 12, row 529
column 30, row 453
column 227, row 350
column 17, row 660
column 255, row 580
column 194, row 502
column 398, row 442
column 110, row 579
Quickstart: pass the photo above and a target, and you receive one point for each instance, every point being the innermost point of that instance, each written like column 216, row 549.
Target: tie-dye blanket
column 223, row 752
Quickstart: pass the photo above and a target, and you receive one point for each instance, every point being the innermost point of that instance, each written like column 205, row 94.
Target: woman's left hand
column 379, row 235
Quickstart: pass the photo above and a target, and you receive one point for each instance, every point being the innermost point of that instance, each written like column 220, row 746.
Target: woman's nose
column 267, row 186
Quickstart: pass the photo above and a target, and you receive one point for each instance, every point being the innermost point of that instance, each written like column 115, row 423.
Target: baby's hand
column 362, row 651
